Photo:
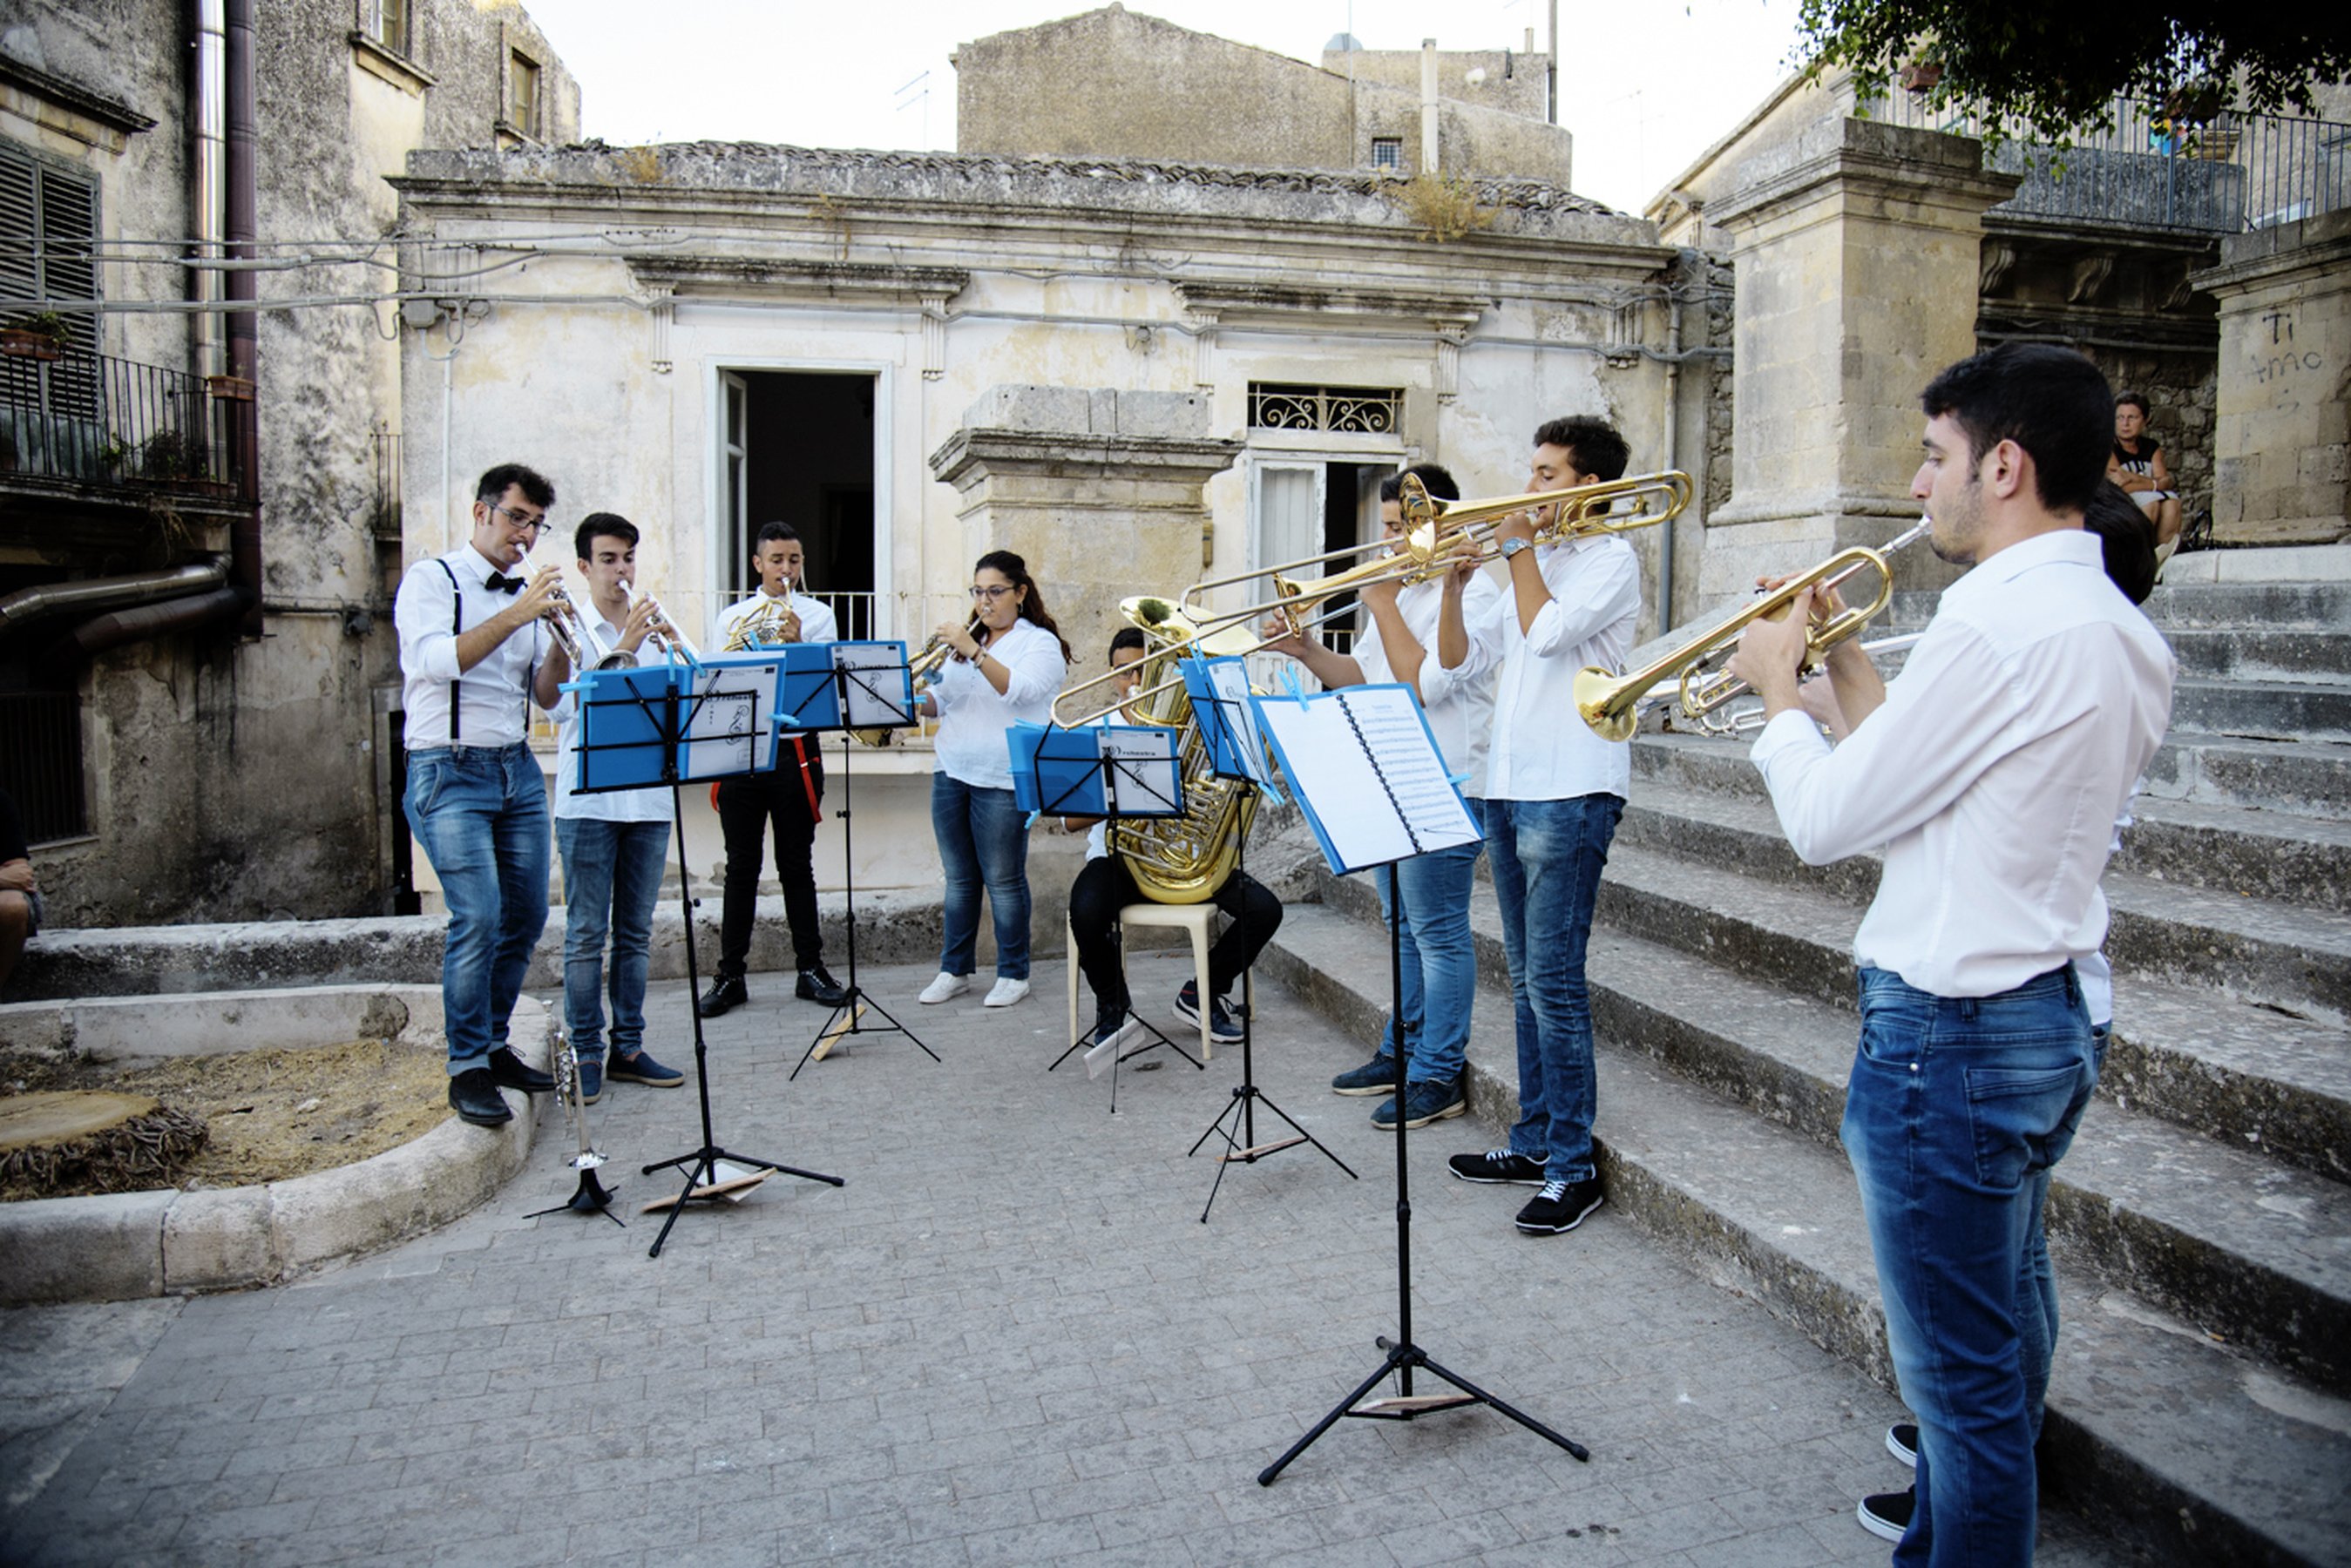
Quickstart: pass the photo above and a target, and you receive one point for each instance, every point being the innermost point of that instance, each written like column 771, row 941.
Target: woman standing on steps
column 1008, row 663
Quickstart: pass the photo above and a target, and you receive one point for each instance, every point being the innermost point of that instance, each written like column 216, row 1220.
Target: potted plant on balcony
column 42, row 335
column 175, row 458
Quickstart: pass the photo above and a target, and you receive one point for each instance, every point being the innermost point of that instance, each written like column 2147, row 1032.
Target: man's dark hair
column 2133, row 400
column 602, row 526
column 1131, row 637
column 535, row 488
column 2049, row 400
column 2128, row 537
column 1592, row 444
column 1433, row 478
column 773, row 534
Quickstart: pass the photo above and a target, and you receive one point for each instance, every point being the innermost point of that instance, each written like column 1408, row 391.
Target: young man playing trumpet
column 791, row 798
column 1406, row 644
column 470, row 646
column 614, row 844
column 1989, row 771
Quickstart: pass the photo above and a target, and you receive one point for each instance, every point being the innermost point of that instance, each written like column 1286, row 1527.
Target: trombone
column 1746, row 718
column 1612, row 704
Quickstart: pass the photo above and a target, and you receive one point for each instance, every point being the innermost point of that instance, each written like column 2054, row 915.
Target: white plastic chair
column 1192, row 917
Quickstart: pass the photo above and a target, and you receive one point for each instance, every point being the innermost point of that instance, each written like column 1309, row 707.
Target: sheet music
column 880, row 693
column 1230, row 682
column 723, row 738
column 1364, row 764
column 1145, row 764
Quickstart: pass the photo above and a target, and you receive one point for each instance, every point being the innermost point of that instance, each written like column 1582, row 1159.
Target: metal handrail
column 89, row 419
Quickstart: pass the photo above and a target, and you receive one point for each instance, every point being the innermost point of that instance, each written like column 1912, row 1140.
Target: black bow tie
column 501, row 583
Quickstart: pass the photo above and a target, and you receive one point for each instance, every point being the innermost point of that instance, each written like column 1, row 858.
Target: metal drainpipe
column 137, row 623
column 207, row 194
column 242, row 228
column 1673, row 416
column 90, row 595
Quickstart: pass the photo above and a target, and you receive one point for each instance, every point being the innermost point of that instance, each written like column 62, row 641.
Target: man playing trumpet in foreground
column 1991, row 770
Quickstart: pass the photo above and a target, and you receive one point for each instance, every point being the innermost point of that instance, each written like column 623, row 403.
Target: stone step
column 2260, row 949
column 2257, row 1252
column 2266, row 710
column 2179, row 605
column 2268, row 854
column 2192, row 1449
column 2321, row 658
column 2304, row 778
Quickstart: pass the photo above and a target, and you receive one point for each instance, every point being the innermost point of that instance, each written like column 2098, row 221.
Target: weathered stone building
column 1114, row 83
column 198, row 499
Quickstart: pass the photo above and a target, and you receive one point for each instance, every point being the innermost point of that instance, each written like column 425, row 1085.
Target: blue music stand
column 671, row 726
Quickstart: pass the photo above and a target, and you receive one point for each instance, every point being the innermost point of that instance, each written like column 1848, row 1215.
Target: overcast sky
column 1646, row 85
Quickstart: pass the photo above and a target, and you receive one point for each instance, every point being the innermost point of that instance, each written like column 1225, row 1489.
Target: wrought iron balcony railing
column 72, row 419
column 2234, row 174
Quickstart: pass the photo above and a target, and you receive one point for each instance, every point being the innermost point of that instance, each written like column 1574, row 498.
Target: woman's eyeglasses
column 991, row 593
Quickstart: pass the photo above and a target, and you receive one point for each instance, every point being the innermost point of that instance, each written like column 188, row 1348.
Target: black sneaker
column 1902, row 1442
column 1886, row 1514
column 726, row 993
column 816, row 984
column 1560, row 1207
column 1223, row 1027
column 1424, row 1102
column 1376, row 1076
column 1497, row 1167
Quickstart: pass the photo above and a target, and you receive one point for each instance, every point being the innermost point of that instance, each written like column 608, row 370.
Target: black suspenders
column 457, row 624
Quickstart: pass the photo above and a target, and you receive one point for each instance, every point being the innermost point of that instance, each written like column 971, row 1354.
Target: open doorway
column 1302, row 507
column 797, row 448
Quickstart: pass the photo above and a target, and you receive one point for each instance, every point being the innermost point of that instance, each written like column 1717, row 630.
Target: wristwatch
column 1510, row 547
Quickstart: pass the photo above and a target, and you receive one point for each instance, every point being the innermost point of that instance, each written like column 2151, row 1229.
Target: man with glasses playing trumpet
column 1989, row 771
column 471, row 647
column 614, row 843
column 791, row 798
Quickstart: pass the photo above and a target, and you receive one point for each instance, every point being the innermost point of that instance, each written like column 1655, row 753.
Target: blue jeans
column 1439, row 963
column 1957, row 1109
column 612, row 874
column 481, row 815
column 983, row 839
column 1547, row 857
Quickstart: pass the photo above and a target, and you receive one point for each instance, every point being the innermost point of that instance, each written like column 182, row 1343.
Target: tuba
column 1183, row 859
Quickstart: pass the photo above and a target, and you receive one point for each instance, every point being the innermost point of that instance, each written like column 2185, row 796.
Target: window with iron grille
column 1387, row 151
column 40, row 767
column 1358, row 411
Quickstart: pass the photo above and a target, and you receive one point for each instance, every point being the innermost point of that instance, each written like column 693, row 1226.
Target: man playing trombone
column 614, row 843
column 470, row 650
column 1439, row 962
column 791, row 798
column 1555, row 792
column 1989, row 770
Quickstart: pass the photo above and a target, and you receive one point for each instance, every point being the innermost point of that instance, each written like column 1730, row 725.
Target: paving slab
column 1009, row 1338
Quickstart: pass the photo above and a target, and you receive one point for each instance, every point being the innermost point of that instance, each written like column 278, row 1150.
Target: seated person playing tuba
column 1107, row 885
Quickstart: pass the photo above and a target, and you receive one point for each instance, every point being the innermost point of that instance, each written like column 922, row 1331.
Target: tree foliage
column 2053, row 69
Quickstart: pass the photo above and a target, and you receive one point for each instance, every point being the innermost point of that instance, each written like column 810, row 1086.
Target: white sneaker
column 946, row 988
column 1005, row 992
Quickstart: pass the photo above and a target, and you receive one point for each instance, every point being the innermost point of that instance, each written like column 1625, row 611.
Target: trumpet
column 923, row 668
column 664, row 633
column 591, row 1196
column 1746, row 718
column 574, row 633
column 1611, row 704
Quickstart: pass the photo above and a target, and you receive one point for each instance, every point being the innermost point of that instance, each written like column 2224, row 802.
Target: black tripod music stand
column 1404, row 1353
column 1153, row 802
column 732, row 751
column 1231, row 758
column 859, row 702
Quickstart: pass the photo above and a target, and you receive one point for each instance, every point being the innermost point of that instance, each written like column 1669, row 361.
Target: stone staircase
column 2200, row 1409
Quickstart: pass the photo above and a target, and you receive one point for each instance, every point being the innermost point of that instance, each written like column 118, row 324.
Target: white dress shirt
column 817, row 624
column 971, row 744
column 1459, row 702
column 1992, row 774
column 1543, row 750
column 648, row 804
column 493, row 705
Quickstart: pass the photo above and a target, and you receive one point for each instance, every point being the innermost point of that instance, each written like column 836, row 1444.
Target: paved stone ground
column 1008, row 1340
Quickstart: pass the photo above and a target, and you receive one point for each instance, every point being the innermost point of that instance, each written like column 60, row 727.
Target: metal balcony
column 81, row 423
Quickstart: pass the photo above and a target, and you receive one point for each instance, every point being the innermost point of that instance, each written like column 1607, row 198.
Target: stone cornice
column 2313, row 248
column 970, row 455
column 111, row 113
column 781, row 279
column 1241, row 302
column 1871, row 158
